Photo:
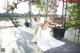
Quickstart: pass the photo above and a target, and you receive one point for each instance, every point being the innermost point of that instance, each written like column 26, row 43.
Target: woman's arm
column 45, row 25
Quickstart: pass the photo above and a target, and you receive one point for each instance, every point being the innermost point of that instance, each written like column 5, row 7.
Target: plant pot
column 58, row 33
column 27, row 24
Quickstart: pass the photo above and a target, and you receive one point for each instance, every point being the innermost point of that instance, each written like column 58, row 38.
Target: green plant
column 74, row 13
column 73, row 24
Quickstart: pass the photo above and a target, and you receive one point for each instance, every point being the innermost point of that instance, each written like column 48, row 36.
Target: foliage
column 10, row 6
column 74, row 10
column 17, row 24
column 74, row 13
column 73, row 24
column 42, row 5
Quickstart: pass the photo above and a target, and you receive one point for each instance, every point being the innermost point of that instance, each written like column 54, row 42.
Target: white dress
column 45, row 41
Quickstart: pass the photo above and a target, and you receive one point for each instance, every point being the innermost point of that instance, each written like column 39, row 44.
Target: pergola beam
column 71, row 1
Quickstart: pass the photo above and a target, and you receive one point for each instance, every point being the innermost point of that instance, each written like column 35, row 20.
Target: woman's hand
column 46, row 21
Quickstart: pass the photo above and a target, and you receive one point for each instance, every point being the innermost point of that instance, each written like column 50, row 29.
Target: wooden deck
column 15, row 40
column 69, row 47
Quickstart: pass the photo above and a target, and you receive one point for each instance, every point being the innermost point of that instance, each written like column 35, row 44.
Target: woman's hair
column 36, row 17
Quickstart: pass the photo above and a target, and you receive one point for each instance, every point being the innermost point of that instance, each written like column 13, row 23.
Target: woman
column 37, row 22
column 43, row 37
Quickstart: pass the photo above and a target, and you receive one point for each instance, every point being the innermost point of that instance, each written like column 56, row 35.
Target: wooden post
column 30, row 13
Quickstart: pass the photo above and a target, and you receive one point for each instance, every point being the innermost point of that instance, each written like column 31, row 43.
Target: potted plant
column 58, row 32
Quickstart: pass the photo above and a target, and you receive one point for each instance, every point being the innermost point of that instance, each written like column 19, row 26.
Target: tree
column 42, row 6
column 10, row 7
column 74, row 13
column 74, row 10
